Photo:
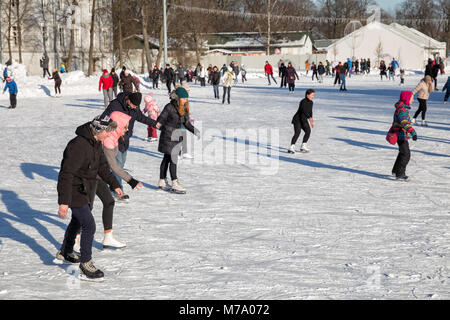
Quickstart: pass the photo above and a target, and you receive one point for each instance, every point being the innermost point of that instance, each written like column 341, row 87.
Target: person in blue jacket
column 12, row 87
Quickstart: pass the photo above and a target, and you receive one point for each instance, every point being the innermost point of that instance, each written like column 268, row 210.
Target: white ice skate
column 163, row 184
column 292, row 149
column 413, row 120
column 304, row 148
column 177, row 188
column 110, row 241
column 77, row 245
column 186, row 156
column 424, row 123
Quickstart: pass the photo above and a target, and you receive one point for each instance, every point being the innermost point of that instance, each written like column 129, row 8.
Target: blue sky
column 388, row 5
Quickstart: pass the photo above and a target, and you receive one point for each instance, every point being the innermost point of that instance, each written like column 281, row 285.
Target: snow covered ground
column 257, row 222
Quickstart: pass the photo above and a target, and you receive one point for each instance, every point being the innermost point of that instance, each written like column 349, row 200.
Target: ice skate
column 110, row 241
column 304, row 148
column 413, row 121
column 292, row 149
column 77, row 245
column 63, row 258
column 89, row 272
column 153, row 139
column 177, row 188
column 163, row 185
column 186, row 156
column 424, row 123
column 402, row 178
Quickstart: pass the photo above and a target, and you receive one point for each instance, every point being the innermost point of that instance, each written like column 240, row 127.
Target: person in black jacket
column 174, row 115
column 58, row 82
column 83, row 160
column 282, row 72
column 154, row 75
column 169, row 74
column 115, row 81
column 300, row 121
column 215, row 81
column 128, row 103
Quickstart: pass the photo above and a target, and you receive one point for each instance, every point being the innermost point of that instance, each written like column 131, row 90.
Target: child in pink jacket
column 151, row 107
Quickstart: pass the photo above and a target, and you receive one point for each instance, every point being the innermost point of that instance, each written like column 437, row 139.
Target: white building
column 46, row 27
column 379, row 41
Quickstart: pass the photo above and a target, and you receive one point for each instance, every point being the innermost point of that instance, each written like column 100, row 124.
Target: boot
column 109, row 241
column 89, row 272
column 292, row 149
column 304, row 148
column 413, row 120
column 62, row 257
column 177, row 188
column 77, row 245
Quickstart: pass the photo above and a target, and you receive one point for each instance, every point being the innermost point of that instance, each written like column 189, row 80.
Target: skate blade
column 113, row 247
column 177, row 192
column 82, row 277
column 303, row 151
column 63, row 262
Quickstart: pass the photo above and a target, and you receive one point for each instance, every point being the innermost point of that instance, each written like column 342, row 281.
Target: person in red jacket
column 106, row 81
column 268, row 70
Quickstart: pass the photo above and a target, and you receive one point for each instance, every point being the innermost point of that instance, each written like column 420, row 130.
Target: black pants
column 447, row 94
column 402, row 160
column 315, row 74
column 291, row 86
column 298, row 127
column 283, row 81
column 108, row 202
column 422, row 108
column 337, row 79
column 167, row 164
column 45, row 70
column 58, row 86
column 169, row 85
column 271, row 75
column 226, row 90
column 81, row 219
column 13, row 99
column 155, row 83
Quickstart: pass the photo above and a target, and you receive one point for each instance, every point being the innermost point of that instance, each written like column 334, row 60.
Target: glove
column 133, row 183
column 414, row 137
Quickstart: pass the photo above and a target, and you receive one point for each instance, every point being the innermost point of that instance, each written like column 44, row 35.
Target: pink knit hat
column 122, row 121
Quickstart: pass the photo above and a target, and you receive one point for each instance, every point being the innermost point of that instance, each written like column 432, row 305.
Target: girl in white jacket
column 227, row 82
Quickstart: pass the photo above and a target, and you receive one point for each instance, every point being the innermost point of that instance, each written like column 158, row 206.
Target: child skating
column 151, row 107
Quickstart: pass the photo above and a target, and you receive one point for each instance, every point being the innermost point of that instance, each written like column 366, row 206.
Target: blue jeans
column 81, row 219
column 342, row 77
column 216, row 91
column 120, row 158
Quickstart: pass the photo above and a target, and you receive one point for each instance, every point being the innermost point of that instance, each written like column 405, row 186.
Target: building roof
column 323, row 44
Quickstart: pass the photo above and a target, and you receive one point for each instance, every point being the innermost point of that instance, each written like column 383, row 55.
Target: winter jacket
column 171, row 122
column 383, row 69
column 268, row 69
column 11, row 86
column 282, row 70
column 215, row 78
column 423, row 90
column 119, row 104
column 169, row 74
column 83, row 160
column 44, row 62
column 402, row 123
column 227, row 79
column 106, row 82
column 151, row 107
column 181, row 72
column 115, row 78
column 154, row 75
column 291, row 74
column 56, row 77
column 304, row 111
column 429, row 69
column 447, row 85
column 321, row 69
column 126, row 83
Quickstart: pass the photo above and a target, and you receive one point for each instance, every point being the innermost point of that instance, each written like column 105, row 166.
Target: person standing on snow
column 45, row 60
column 154, row 75
column 83, row 160
column 126, row 82
column 300, row 121
column 215, row 81
column 106, row 85
column 58, row 82
column 268, row 70
column 174, row 115
column 423, row 90
column 227, row 82
column 321, row 71
column 11, row 86
column 169, row 74
column 402, row 126
column 291, row 74
column 282, row 71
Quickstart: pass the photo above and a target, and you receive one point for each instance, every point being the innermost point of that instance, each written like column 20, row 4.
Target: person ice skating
column 268, row 70
column 126, row 82
column 391, row 71
column 402, row 77
column 215, row 81
column 300, row 121
column 153, row 111
column 282, row 72
column 236, row 71
column 307, row 66
column 202, row 76
column 434, row 73
column 383, row 70
column 402, row 126
column 243, row 73
column 342, row 75
column 314, row 71
column 83, row 160
column 423, row 90
column 154, row 75
column 122, row 73
column 227, row 82
column 58, row 82
column 127, row 103
column 174, row 115
column 45, row 60
column 115, row 81
column 338, row 69
column 291, row 75
column 446, row 87
column 321, row 70
column 11, row 86
column 106, row 85
column 169, row 75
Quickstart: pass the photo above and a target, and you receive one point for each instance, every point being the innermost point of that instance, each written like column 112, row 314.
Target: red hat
column 105, row 70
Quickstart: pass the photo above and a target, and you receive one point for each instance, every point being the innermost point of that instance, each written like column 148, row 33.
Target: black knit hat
column 135, row 98
column 103, row 123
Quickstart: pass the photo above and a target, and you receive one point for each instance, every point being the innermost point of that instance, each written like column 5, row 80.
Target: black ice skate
column 89, row 272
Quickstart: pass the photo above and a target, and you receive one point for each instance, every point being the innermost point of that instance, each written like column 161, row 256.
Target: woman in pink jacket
column 151, row 107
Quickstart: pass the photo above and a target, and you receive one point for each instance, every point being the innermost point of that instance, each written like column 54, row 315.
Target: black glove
column 133, row 183
column 414, row 137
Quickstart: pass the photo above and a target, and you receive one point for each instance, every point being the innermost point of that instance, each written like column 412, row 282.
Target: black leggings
column 298, row 126
column 226, row 90
column 103, row 192
column 58, row 86
column 166, row 164
column 291, row 86
column 422, row 108
column 403, row 157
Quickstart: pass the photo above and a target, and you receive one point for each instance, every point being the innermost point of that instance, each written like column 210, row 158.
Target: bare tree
column 144, row 17
column 91, row 43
